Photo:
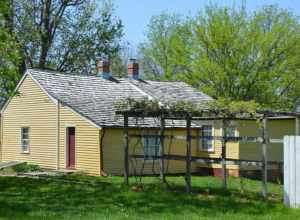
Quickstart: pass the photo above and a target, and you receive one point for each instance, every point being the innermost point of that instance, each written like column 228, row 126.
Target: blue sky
column 135, row 14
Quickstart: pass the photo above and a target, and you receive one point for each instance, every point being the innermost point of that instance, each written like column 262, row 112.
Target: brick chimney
column 133, row 69
column 103, row 69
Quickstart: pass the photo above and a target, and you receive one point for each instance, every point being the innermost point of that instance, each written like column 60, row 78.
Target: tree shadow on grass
column 33, row 198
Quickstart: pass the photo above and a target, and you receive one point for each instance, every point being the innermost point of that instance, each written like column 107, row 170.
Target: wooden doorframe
column 67, row 145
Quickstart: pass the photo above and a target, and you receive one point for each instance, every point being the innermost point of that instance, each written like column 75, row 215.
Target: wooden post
column 57, row 133
column 188, row 155
column 126, row 149
column 224, row 167
column 264, row 168
column 297, row 126
column 162, row 150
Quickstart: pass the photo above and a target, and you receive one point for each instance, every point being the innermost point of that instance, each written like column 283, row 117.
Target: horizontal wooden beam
column 209, row 160
column 212, row 118
column 206, row 114
column 220, row 138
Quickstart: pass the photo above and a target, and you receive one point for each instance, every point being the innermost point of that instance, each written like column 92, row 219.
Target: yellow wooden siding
column 113, row 151
column 113, row 146
column 113, row 161
column 276, row 129
column 1, row 137
column 31, row 108
column 87, row 141
column 232, row 148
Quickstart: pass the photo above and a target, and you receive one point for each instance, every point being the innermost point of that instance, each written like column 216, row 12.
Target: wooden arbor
column 261, row 116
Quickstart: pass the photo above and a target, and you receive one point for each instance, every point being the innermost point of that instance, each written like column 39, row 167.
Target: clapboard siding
column 113, row 151
column 32, row 108
column 113, row 161
column 1, row 136
column 276, row 129
column 87, row 142
column 232, row 148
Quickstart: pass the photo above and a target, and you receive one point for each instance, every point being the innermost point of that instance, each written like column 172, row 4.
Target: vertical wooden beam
column 188, row 155
column 162, row 150
column 101, row 139
column 224, row 141
column 264, row 168
column 297, row 126
column 1, row 132
column 126, row 172
column 57, row 134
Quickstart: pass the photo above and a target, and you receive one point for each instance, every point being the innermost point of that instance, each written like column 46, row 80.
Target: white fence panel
column 292, row 171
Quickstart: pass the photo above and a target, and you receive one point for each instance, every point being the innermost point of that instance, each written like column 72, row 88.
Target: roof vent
column 103, row 69
column 133, row 69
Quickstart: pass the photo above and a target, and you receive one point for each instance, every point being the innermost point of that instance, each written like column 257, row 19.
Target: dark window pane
column 207, row 137
column 151, row 147
column 230, row 131
column 24, row 139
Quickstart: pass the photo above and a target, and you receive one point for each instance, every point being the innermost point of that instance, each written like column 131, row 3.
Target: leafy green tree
column 120, row 60
column 66, row 35
column 248, row 57
column 160, row 54
column 229, row 53
column 9, row 54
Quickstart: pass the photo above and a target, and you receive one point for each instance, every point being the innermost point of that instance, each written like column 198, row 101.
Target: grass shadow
column 25, row 198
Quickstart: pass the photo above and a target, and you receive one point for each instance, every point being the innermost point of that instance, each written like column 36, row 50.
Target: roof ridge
column 141, row 91
column 59, row 73
column 50, row 71
column 150, row 97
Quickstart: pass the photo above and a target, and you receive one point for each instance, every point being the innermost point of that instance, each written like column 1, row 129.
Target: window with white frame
column 25, row 139
column 231, row 131
column 207, row 140
column 151, row 147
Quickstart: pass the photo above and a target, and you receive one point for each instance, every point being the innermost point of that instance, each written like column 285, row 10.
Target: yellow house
column 62, row 121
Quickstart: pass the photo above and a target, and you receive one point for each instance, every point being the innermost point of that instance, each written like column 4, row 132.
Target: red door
column 71, row 148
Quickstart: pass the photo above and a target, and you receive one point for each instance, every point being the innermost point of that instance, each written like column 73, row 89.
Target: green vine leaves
column 216, row 108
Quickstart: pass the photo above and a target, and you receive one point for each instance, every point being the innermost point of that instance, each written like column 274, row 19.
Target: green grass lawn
column 84, row 197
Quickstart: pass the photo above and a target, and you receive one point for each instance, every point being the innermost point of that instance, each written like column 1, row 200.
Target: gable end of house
column 52, row 98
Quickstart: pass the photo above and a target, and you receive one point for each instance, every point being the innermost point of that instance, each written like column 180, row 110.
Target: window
column 230, row 131
column 151, row 147
column 207, row 140
column 25, row 139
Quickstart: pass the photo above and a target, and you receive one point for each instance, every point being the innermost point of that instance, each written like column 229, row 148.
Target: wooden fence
column 292, row 171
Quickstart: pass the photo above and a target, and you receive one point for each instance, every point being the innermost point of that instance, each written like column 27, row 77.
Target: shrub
column 23, row 168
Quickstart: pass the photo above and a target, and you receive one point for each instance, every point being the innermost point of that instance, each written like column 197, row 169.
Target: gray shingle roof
column 94, row 97
column 171, row 91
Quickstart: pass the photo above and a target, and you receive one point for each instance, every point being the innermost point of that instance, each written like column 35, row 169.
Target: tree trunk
column 46, row 34
column 9, row 15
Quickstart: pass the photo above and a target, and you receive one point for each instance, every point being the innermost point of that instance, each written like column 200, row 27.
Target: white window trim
column 236, row 132
column 200, row 145
column 21, row 140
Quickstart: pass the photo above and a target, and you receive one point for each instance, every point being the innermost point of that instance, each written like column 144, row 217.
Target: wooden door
column 71, row 148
